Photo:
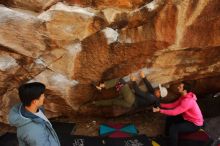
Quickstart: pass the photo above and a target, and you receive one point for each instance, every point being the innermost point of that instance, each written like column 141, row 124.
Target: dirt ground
column 146, row 122
column 151, row 124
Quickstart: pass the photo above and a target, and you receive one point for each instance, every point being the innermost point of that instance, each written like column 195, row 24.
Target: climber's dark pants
column 126, row 97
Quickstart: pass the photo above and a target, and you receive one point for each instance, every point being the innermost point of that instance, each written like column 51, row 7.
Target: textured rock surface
column 34, row 5
column 68, row 23
column 127, row 4
column 73, row 43
column 22, row 33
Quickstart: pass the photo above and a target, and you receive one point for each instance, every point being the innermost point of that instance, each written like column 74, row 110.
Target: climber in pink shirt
column 184, row 115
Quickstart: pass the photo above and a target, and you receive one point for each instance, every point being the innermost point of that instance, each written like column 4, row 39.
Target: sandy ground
column 151, row 124
column 146, row 122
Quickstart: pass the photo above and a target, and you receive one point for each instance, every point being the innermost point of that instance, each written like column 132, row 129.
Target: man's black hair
column 187, row 86
column 30, row 91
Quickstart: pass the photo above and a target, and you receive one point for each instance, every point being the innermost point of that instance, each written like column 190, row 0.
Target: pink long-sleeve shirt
column 187, row 106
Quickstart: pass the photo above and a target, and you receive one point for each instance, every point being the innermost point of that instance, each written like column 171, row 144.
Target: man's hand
column 142, row 75
column 156, row 109
column 133, row 78
column 99, row 88
column 101, row 85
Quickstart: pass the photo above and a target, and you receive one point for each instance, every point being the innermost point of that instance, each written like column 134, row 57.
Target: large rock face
column 68, row 45
column 34, row 5
column 101, row 4
column 22, row 33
